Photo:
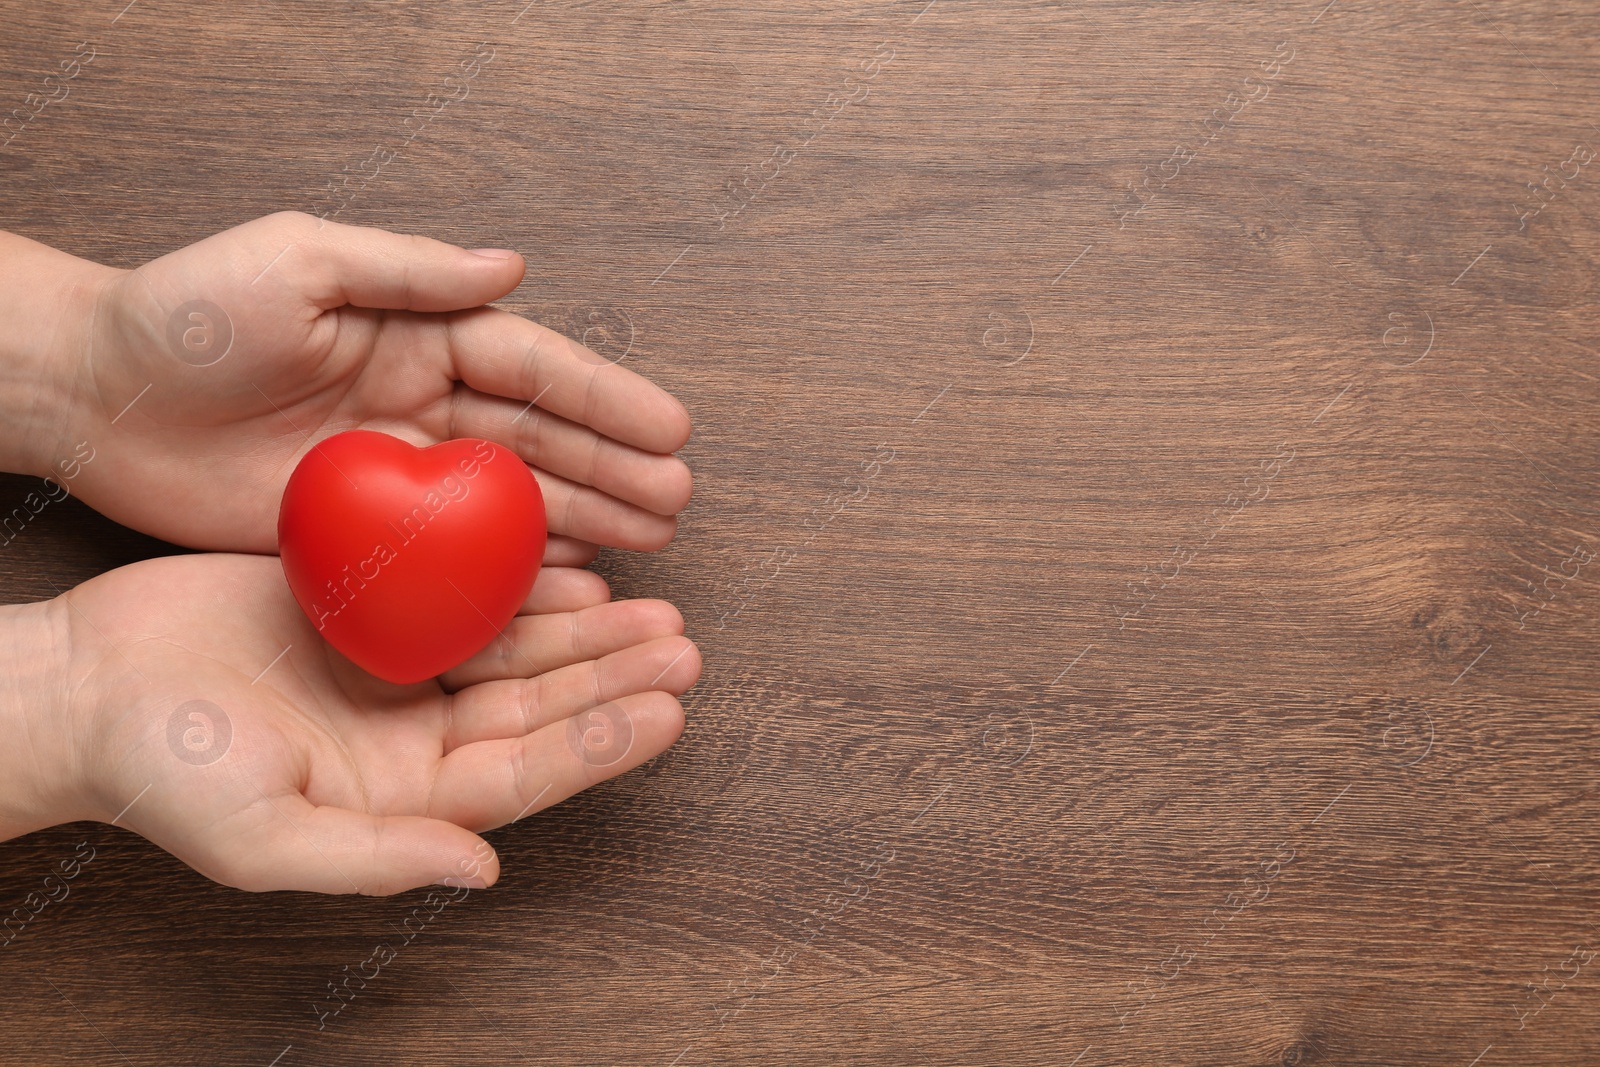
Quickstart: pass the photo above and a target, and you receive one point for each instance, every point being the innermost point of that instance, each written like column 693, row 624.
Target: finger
column 502, row 354
column 497, row 710
column 373, row 268
column 569, row 552
column 491, row 783
column 590, row 515
column 658, row 483
column 534, row 644
column 565, row 589
column 322, row 849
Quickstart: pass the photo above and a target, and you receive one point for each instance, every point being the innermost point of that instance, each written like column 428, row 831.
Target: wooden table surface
column 1146, row 468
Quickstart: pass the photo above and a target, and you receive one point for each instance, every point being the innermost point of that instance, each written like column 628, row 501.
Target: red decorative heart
column 410, row 560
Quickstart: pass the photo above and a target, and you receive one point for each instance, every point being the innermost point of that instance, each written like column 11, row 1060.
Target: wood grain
column 1132, row 635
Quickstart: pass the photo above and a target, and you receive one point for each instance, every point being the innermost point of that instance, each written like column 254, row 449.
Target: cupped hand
column 210, row 717
column 206, row 374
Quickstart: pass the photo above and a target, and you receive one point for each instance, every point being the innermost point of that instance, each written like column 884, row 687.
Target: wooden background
column 1143, row 592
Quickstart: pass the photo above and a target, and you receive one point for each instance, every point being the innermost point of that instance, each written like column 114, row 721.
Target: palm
column 262, row 758
column 214, row 376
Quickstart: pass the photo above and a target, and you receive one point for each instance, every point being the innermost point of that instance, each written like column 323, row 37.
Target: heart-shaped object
column 409, row 560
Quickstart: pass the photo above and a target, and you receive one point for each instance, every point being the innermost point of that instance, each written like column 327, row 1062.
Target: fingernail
column 492, row 253
column 463, row 883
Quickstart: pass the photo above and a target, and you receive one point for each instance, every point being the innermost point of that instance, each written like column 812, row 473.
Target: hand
column 199, row 708
column 185, row 420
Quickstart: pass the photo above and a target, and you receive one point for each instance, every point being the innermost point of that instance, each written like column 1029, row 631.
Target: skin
column 329, row 780
column 334, row 328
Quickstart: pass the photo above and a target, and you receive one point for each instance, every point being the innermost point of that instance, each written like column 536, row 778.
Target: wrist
column 40, row 751
column 48, row 305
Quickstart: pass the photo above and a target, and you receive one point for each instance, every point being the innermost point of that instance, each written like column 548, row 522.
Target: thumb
column 374, row 268
column 323, row 849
